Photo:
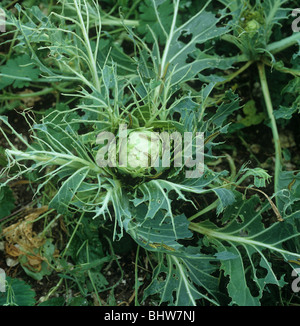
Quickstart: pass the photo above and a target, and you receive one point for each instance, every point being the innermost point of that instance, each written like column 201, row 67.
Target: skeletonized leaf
column 246, row 237
column 182, row 280
column 63, row 197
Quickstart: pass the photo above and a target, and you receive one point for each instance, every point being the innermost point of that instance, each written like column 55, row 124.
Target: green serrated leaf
column 18, row 72
column 18, row 293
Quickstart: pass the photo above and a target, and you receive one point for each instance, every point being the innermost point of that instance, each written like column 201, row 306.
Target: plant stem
column 169, row 40
column 293, row 72
column 10, row 96
column 284, row 43
column 136, row 282
column 118, row 22
column 91, row 277
column 55, row 158
column 269, row 106
column 236, row 73
column 229, row 237
column 205, row 210
column 232, row 167
column 84, row 29
column 53, row 290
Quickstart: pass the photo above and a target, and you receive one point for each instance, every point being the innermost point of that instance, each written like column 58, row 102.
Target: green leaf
column 18, row 72
column 237, row 287
column 7, row 201
column 112, row 53
column 3, row 159
column 157, row 233
column 261, row 177
column 199, row 29
column 286, row 112
column 234, row 6
column 251, row 116
column 181, row 60
column 225, row 255
column 152, row 12
column 228, row 106
column 188, row 110
column 289, row 194
column 47, row 252
column 63, row 197
column 291, row 89
column 274, row 12
column 226, row 198
column 53, row 302
column 184, row 279
column 18, row 293
column 246, row 237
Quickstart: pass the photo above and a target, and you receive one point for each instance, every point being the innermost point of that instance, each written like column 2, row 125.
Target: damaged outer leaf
column 21, row 240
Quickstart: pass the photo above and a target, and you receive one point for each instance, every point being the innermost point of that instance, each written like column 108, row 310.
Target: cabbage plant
column 149, row 92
